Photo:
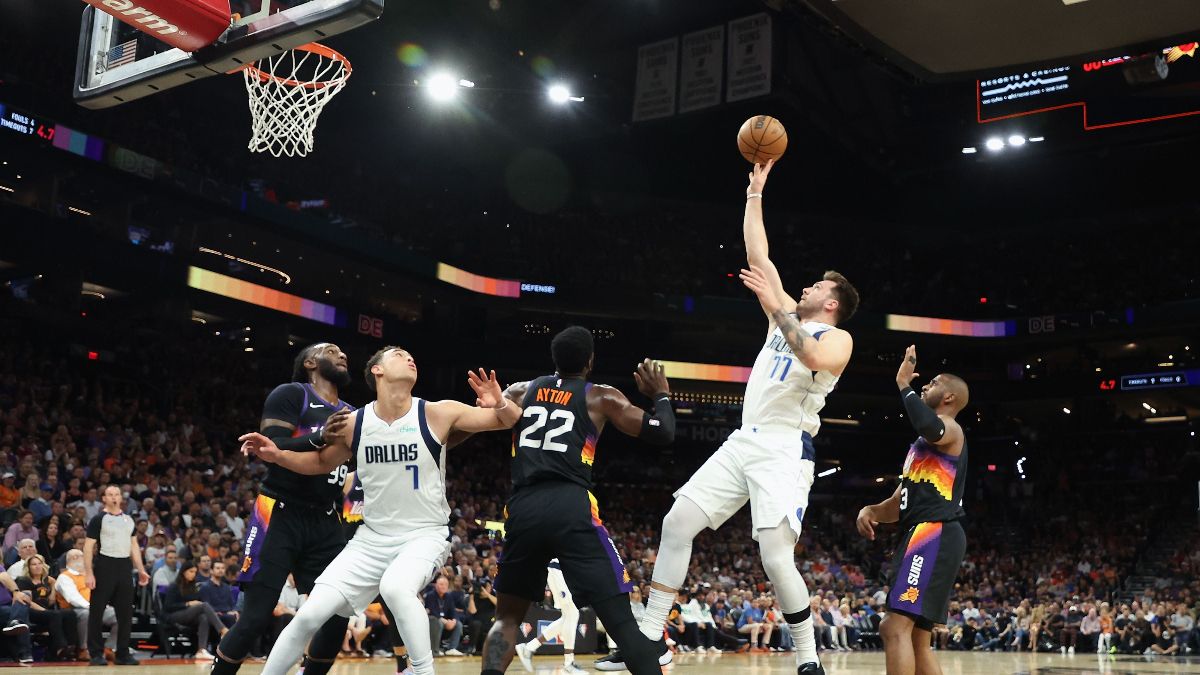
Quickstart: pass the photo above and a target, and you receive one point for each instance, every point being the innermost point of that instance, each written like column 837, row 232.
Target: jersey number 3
column 547, row 441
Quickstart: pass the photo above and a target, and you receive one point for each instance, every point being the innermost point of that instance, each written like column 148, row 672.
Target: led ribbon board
column 705, row 371
column 262, row 296
column 479, row 284
column 921, row 324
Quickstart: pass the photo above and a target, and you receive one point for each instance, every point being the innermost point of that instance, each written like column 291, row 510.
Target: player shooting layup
column 769, row 461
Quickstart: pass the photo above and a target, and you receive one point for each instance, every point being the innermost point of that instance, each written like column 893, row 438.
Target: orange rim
column 315, row 48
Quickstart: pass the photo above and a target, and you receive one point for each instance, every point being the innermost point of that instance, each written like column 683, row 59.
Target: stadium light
column 1016, row 141
column 559, row 94
column 969, row 151
column 1037, row 139
column 995, row 144
column 1067, row 410
column 442, row 87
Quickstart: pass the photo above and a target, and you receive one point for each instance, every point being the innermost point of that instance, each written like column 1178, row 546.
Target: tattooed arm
column 830, row 352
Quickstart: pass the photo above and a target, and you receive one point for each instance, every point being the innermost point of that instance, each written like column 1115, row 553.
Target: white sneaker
column 1063, row 649
column 701, row 650
column 716, row 651
column 573, row 669
column 453, row 652
column 203, row 655
column 526, row 655
column 1070, row 650
column 670, row 642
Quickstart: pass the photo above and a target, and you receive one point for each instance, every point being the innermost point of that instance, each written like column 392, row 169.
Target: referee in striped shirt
column 110, row 576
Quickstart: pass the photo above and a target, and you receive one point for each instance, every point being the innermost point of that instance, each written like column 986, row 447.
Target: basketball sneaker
column 573, row 669
column 811, row 669
column 525, row 653
column 614, row 661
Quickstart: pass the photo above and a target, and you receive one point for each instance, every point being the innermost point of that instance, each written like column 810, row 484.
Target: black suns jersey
column 555, row 439
column 297, row 403
column 932, row 486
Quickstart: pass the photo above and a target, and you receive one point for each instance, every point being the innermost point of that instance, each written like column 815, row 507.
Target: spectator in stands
column 233, row 521
column 35, row 580
column 846, row 630
column 441, row 606
column 23, row 528
column 824, row 631
column 41, row 507
column 751, row 623
column 1182, row 624
column 167, row 571
column 485, row 610
column 14, row 617
column 357, row 631
column 31, row 491
column 1068, row 635
column 26, row 549
column 50, row 545
column 184, row 606
column 10, row 495
column 204, row 569
column 219, row 595
column 73, row 593
column 700, row 628
column 1089, row 629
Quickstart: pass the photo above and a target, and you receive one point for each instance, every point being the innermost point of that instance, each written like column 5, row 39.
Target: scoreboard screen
column 1099, row 89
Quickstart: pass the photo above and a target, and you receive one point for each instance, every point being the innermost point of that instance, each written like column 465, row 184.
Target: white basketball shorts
column 357, row 570
column 771, row 467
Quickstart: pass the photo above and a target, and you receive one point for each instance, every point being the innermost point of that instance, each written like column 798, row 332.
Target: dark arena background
column 1012, row 187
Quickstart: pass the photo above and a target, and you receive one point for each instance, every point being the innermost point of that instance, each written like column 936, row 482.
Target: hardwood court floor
column 856, row 663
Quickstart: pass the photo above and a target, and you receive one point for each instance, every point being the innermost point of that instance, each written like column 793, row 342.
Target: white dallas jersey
column 781, row 390
column 402, row 472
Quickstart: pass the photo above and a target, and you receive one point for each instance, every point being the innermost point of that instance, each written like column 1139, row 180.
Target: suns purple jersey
column 299, row 405
column 931, row 489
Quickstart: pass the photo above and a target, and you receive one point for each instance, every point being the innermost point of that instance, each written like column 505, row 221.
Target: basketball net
column 287, row 93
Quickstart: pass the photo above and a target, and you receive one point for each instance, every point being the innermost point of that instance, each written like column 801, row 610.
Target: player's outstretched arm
column 492, row 412
column 657, row 427
column 311, row 463
column 514, row 393
column 754, row 230
column 939, row 430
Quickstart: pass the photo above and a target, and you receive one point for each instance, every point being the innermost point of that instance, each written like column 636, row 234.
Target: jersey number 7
column 546, row 442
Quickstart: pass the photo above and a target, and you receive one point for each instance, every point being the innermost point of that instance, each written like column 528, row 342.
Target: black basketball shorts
column 559, row 520
column 290, row 537
column 925, row 567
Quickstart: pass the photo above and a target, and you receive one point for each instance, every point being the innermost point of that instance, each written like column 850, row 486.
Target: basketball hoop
column 287, row 93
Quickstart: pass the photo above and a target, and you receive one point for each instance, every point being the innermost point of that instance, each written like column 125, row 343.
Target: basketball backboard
column 118, row 63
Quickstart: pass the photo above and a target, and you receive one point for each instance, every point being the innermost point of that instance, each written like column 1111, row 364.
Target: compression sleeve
column 659, row 427
column 922, row 417
column 284, row 441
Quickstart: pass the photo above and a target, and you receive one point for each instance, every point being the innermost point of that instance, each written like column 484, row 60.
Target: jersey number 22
column 546, row 442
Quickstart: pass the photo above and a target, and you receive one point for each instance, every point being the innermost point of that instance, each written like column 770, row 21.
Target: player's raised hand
column 487, row 388
column 334, row 425
column 908, row 368
column 756, row 280
column 866, row 523
column 255, row 443
column 651, row 378
column 758, row 177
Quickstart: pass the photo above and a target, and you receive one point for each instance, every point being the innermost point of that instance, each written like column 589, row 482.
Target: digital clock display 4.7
column 23, row 123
